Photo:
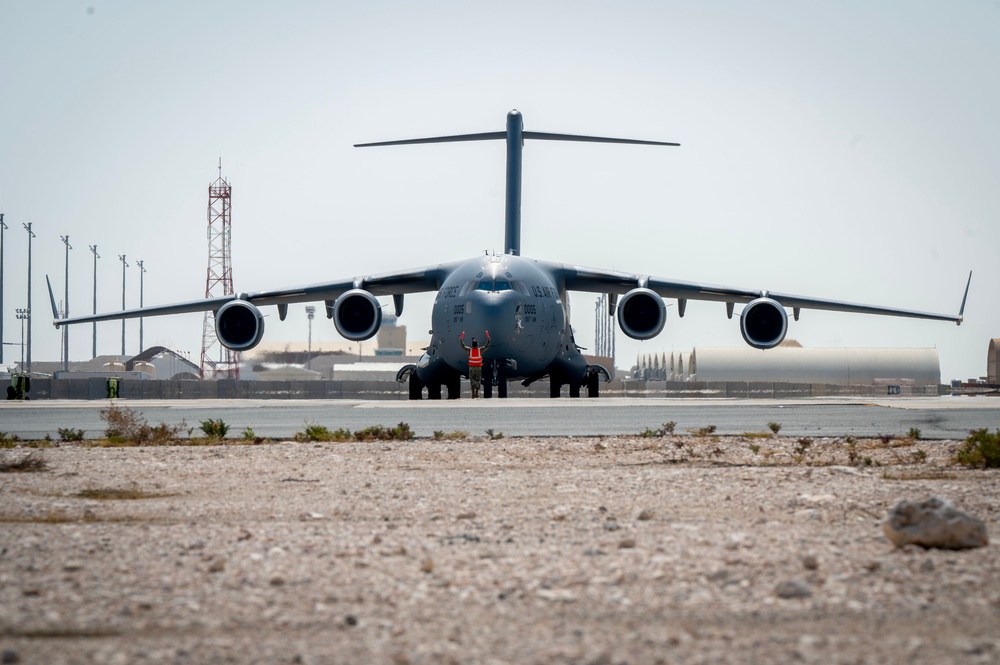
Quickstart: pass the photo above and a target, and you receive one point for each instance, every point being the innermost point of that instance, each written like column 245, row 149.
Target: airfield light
column 65, row 329
column 311, row 314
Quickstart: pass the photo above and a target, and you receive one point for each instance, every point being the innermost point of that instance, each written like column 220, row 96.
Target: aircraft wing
column 396, row 284
column 603, row 281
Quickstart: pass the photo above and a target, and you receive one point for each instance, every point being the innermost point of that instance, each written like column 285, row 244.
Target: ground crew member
column 475, row 361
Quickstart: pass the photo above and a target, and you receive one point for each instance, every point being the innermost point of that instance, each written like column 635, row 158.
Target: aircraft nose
column 496, row 314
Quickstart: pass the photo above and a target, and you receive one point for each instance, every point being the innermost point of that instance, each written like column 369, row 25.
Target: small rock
column 792, row 589
column 810, row 562
column 277, row 580
column 626, row 544
column 9, row 657
column 645, row 515
column 466, row 516
column 933, row 523
column 350, row 620
column 72, row 566
column 217, row 566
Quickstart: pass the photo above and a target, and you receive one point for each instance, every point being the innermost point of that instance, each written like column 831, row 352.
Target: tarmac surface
column 944, row 417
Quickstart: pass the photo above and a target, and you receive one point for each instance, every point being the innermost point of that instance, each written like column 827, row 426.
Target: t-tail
column 515, row 136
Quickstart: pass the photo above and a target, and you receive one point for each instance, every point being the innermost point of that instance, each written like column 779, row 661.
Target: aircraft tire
column 455, row 387
column 416, row 387
column 487, row 385
column 574, row 390
column 555, row 387
column 433, row 391
column 501, row 383
column 593, row 385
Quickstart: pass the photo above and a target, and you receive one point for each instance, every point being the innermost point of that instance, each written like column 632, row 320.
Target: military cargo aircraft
column 522, row 302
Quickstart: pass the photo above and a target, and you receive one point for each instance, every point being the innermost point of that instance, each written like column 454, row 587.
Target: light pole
column 121, row 257
column 311, row 313
column 141, row 273
column 93, row 248
column 65, row 329
column 3, row 227
column 31, row 234
column 22, row 315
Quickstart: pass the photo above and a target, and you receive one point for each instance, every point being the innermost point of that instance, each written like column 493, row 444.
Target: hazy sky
column 847, row 150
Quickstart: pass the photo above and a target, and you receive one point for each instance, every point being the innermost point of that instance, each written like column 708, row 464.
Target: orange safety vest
column 475, row 357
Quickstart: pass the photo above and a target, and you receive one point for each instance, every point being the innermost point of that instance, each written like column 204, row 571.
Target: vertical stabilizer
column 512, row 216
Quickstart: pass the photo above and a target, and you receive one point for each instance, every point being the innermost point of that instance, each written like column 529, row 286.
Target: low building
column 796, row 364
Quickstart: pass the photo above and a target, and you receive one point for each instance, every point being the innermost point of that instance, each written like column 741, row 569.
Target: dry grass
column 920, row 474
column 30, row 463
column 119, row 494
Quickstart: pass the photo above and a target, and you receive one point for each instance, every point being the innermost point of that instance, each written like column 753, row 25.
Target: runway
column 936, row 417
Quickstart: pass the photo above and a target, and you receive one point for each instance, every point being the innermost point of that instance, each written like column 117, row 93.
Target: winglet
column 52, row 299
column 961, row 311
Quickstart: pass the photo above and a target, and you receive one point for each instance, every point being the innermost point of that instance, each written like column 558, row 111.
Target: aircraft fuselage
column 522, row 306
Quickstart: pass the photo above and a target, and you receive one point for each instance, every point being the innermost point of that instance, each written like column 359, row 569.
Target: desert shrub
column 214, row 429
column 440, row 435
column 667, row 429
column 70, row 434
column 981, row 449
column 322, row 433
column 914, row 433
column 125, row 426
column 774, row 427
column 803, row 446
column 400, row 432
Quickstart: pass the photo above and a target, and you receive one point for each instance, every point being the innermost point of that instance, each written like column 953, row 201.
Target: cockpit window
column 494, row 285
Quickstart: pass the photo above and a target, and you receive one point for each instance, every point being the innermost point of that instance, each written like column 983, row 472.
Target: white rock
column 933, row 523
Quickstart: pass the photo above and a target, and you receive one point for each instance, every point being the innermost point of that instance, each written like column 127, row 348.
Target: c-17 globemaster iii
column 522, row 302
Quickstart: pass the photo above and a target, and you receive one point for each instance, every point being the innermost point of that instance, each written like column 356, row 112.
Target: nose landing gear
column 495, row 374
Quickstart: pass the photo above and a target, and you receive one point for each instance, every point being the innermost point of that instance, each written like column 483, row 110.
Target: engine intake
column 764, row 323
column 357, row 315
column 239, row 325
column 641, row 313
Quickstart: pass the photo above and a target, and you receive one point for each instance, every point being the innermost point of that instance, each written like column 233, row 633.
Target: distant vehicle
column 522, row 302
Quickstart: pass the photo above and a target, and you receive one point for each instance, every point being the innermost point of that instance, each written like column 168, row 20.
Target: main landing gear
column 591, row 381
column 415, row 386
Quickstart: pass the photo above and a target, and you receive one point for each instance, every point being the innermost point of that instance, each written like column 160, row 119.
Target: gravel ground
column 517, row 550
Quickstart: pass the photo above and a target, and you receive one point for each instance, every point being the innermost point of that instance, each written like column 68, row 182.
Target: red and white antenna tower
column 226, row 363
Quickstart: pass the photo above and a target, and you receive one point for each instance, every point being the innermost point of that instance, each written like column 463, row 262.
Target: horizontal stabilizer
column 515, row 137
column 52, row 299
column 487, row 136
column 547, row 136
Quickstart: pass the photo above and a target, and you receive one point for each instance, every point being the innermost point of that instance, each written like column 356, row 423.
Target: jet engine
column 641, row 313
column 239, row 325
column 763, row 323
column 357, row 315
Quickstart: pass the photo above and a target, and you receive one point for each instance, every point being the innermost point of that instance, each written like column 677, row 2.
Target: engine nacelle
column 763, row 323
column 239, row 325
column 641, row 313
column 357, row 315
